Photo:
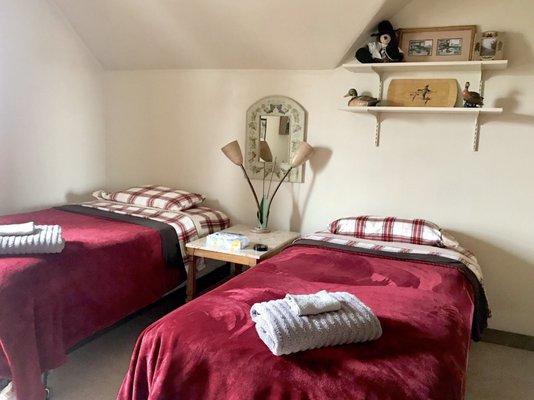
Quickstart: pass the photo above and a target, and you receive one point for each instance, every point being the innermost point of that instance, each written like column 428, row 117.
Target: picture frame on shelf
column 422, row 47
column 446, row 43
column 489, row 45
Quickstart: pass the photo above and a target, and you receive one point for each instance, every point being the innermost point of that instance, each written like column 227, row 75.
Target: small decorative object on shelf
column 447, row 43
column 360, row 101
column 489, row 46
column 233, row 152
column 422, row 93
column 471, row 99
column 384, row 49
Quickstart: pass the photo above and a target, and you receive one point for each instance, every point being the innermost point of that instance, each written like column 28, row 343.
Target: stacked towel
column 8, row 393
column 311, row 304
column 17, row 229
column 285, row 332
column 44, row 239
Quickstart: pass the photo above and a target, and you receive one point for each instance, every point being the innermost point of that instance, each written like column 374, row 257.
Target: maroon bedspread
column 209, row 349
column 48, row 303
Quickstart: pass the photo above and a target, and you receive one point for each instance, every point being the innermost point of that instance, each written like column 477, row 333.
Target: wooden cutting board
column 422, row 93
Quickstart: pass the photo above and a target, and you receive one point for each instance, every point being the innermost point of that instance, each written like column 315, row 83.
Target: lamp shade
column 233, row 152
column 265, row 152
column 303, row 154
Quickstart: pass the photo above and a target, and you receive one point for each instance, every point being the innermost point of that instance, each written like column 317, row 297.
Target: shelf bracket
column 481, row 83
column 380, row 91
column 476, row 135
column 378, row 121
column 378, row 118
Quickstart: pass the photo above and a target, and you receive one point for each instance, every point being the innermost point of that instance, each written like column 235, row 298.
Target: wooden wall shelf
column 428, row 66
column 454, row 66
column 423, row 110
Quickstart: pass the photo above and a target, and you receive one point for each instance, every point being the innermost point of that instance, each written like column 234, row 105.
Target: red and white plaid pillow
column 389, row 229
column 154, row 196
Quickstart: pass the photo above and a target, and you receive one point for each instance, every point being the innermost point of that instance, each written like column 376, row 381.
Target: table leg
column 192, row 280
column 238, row 268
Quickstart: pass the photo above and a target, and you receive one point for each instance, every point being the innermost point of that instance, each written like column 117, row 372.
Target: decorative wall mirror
column 281, row 122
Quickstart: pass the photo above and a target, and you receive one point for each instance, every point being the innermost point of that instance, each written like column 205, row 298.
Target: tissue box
column 227, row 241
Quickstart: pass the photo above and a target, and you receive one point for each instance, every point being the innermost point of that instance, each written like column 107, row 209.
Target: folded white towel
column 8, row 393
column 311, row 304
column 284, row 332
column 45, row 239
column 17, row 229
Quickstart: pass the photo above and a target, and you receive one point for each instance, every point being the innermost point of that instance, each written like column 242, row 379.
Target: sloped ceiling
column 221, row 34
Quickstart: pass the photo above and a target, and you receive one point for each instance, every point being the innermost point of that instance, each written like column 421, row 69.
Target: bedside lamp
column 233, row 152
column 303, row 154
column 265, row 152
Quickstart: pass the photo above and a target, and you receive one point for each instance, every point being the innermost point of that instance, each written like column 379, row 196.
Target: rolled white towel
column 311, row 304
column 284, row 332
column 27, row 228
column 46, row 239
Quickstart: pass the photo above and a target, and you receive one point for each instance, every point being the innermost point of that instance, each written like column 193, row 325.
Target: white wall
column 51, row 109
column 167, row 127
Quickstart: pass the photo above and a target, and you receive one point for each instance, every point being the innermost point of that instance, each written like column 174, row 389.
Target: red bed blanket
column 48, row 303
column 209, row 349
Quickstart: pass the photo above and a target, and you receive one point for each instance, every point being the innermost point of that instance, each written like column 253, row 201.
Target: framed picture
column 420, row 47
column 449, row 47
column 489, row 46
column 447, row 43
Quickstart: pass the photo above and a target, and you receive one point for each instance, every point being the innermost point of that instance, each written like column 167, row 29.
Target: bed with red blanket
column 113, row 264
column 429, row 303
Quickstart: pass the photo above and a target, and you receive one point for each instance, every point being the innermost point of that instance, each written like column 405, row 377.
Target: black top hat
column 383, row 28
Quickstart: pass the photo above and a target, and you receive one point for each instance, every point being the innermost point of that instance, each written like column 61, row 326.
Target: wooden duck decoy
column 362, row 101
column 471, row 99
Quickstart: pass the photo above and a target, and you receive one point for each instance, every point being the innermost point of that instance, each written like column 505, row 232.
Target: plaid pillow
column 389, row 229
column 160, row 197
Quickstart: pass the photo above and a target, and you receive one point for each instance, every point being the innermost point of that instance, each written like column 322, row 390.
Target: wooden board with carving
column 422, row 93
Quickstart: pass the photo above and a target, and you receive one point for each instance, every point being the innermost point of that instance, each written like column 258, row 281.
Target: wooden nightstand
column 275, row 240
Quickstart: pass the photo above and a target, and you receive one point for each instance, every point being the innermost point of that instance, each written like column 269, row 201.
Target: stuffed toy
column 384, row 49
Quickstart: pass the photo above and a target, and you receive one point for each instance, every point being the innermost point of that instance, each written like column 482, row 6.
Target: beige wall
column 163, row 34
column 51, row 109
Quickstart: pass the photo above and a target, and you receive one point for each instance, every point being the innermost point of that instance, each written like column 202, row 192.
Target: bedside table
column 275, row 240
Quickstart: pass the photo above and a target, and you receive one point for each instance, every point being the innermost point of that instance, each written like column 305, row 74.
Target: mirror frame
column 275, row 106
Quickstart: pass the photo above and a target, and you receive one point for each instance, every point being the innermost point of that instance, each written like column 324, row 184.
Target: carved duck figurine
column 362, row 101
column 471, row 99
